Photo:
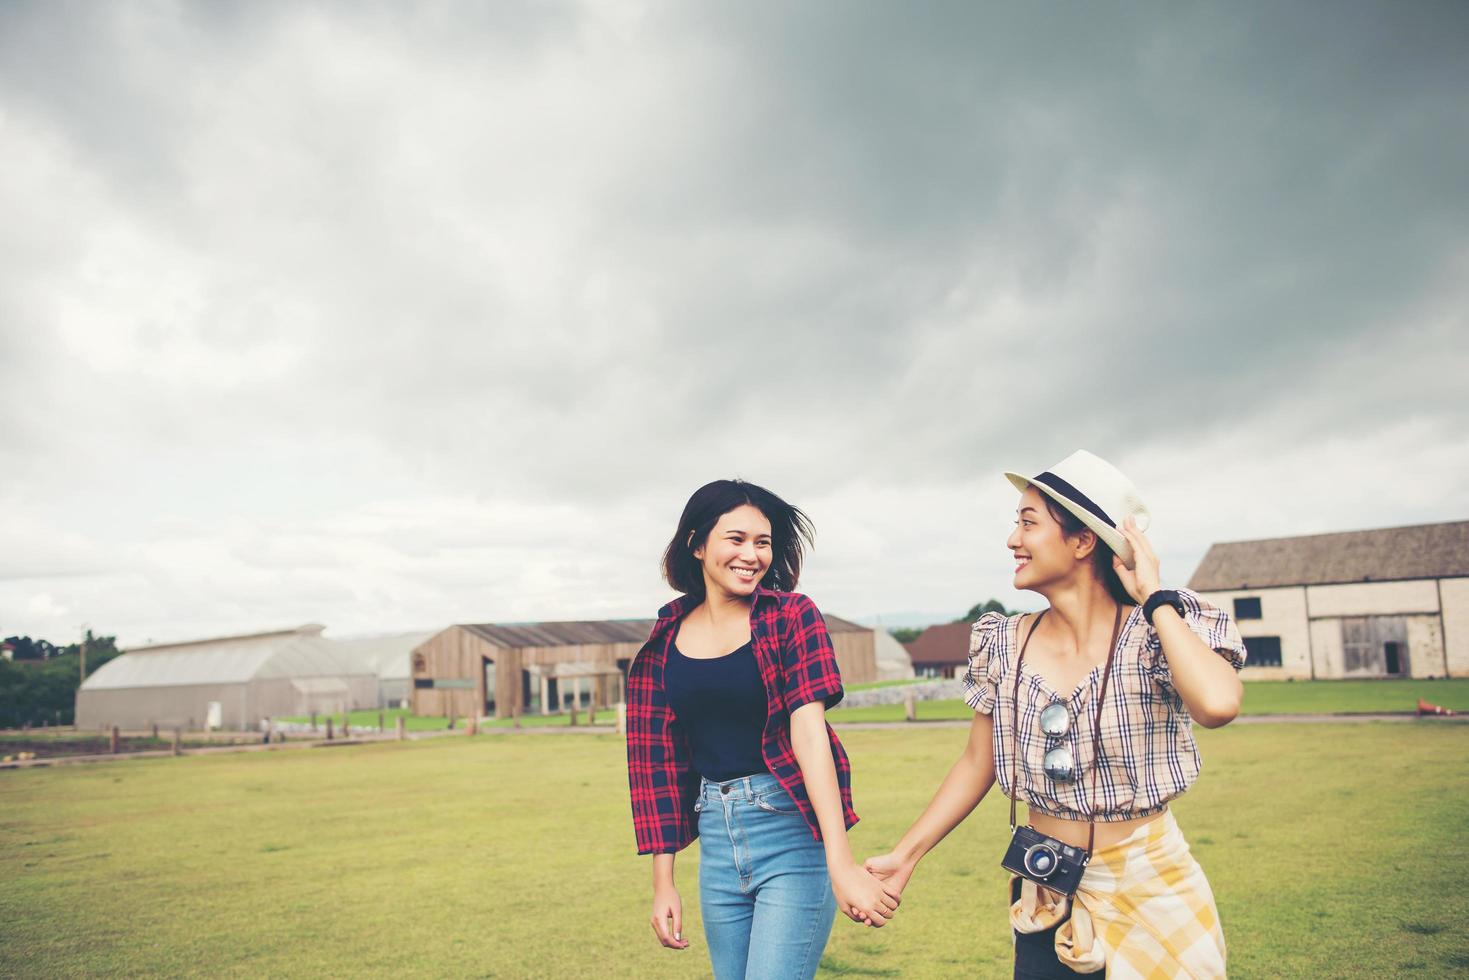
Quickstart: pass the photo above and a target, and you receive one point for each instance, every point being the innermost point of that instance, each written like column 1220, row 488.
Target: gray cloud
column 274, row 271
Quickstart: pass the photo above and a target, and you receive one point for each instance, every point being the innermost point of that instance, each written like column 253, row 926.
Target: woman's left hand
column 1144, row 578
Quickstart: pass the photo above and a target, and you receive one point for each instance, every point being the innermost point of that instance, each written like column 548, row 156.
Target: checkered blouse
column 1148, row 750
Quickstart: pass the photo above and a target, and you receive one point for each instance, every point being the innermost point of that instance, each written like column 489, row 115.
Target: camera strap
column 1091, row 835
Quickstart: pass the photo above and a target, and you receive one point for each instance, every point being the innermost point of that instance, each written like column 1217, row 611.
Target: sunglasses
column 1059, row 763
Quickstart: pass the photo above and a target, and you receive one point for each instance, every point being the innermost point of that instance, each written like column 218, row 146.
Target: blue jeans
column 763, row 888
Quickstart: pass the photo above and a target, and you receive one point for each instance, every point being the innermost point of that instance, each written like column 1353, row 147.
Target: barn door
column 1374, row 646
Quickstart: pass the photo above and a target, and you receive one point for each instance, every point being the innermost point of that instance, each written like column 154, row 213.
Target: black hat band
column 1074, row 495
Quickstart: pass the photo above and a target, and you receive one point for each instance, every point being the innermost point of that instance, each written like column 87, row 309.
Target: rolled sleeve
column 981, row 689
column 807, row 657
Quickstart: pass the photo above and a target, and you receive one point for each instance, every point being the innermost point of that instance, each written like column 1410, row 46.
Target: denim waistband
column 745, row 787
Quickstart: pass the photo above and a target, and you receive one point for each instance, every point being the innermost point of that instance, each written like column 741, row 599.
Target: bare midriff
column 1074, row 832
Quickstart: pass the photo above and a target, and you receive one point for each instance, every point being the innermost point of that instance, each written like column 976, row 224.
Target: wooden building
column 488, row 668
column 1392, row 602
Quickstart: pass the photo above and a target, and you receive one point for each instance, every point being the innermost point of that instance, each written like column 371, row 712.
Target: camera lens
column 1040, row 860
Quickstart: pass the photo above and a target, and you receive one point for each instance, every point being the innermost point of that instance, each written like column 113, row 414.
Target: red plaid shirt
column 797, row 665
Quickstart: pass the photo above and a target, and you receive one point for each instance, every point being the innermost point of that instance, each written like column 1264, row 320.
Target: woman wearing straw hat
column 1083, row 712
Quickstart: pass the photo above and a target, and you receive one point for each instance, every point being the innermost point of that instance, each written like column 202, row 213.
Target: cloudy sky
column 388, row 316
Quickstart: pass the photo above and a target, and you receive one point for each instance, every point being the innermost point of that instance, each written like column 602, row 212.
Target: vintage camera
column 1045, row 860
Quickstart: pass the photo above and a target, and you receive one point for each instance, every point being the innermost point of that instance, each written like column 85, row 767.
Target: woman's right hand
column 668, row 917
column 891, row 870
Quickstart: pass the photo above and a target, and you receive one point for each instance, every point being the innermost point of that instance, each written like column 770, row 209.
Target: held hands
column 862, row 897
column 1144, row 578
column 667, row 917
column 891, row 870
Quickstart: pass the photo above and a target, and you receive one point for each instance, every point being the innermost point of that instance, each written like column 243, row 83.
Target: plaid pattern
column 1148, row 750
column 1144, row 910
column 797, row 665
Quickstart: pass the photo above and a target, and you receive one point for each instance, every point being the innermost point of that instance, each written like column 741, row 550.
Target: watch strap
column 1163, row 597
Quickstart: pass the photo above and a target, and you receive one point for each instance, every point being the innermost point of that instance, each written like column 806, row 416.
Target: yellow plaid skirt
column 1144, row 909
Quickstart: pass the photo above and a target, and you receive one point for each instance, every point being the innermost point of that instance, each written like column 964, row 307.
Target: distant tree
column 906, row 634
column 33, row 692
column 978, row 610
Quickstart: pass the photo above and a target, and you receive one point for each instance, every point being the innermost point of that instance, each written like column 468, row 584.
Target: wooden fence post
column 115, row 740
column 516, row 716
column 451, row 721
column 346, row 725
column 402, row 728
column 313, row 721
column 909, row 713
column 573, row 714
column 269, row 730
column 380, row 728
column 178, row 741
column 471, row 725
column 328, row 728
column 155, row 731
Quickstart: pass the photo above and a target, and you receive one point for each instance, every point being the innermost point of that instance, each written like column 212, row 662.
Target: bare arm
column 858, row 894
column 667, row 906
column 969, row 779
column 1208, row 684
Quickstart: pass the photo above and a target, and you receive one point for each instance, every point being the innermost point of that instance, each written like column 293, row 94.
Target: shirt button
column 724, row 790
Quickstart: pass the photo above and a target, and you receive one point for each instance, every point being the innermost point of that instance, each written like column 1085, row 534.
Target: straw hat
column 1096, row 492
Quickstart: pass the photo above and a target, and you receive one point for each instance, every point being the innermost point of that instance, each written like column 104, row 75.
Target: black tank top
column 721, row 704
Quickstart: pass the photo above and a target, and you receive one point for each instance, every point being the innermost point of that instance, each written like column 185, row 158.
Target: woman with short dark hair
column 1084, row 712
column 727, row 741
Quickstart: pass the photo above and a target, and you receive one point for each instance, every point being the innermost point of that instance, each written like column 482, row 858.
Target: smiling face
column 1044, row 555
column 737, row 552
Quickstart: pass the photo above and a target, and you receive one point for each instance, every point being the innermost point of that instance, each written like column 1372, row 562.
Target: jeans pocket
column 777, row 801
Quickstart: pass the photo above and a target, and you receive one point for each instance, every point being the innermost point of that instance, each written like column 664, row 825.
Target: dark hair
column 1101, row 555
column 790, row 533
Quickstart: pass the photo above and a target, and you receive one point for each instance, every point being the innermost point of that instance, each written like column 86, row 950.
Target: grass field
column 1261, row 698
column 367, row 720
column 1335, row 850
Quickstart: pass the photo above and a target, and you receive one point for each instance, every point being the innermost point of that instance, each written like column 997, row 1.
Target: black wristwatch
column 1163, row 597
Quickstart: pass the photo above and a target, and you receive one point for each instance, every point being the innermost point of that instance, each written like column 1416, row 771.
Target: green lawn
column 367, row 720
column 1334, row 850
column 1261, row 698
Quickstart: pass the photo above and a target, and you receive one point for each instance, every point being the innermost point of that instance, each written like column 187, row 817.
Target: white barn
column 1392, row 602
column 228, row 682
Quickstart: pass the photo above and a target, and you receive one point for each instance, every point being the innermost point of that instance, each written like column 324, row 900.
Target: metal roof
column 594, row 632
column 575, row 633
column 228, row 660
column 1420, row 551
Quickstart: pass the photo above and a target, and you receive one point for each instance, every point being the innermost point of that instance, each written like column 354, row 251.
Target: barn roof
column 1386, row 554
column 301, row 652
column 593, row 632
column 563, row 634
column 946, row 643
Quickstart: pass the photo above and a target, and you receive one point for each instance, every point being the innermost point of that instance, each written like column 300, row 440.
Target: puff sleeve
column 1209, row 623
column 981, row 679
